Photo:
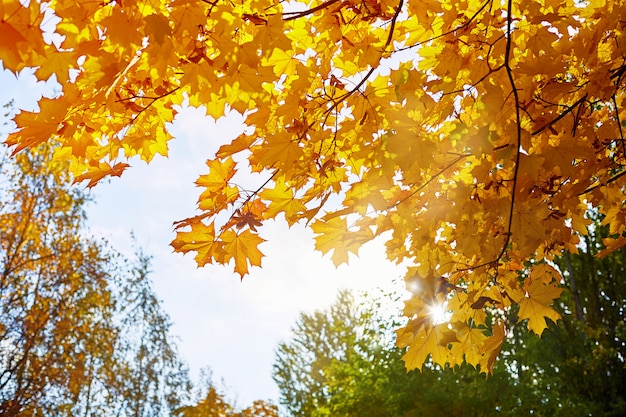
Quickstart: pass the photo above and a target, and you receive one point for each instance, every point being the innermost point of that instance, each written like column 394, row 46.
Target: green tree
column 343, row 362
column 149, row 376
column 301, row 365
column 578, row 366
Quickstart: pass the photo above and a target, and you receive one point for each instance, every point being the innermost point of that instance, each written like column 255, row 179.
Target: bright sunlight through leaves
column 471, row 137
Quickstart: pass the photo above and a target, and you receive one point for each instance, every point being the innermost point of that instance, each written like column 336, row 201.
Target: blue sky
column 229, row 325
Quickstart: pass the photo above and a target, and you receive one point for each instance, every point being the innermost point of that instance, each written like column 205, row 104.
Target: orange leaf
column 200, row 239
column 55, row 62
column 8, row 51
column 220, row 172
column 37, row 127
column 611, row 245
column 158, row 27
column 95, row 174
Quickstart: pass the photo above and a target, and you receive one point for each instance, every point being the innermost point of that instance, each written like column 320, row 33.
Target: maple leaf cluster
column 472, row 136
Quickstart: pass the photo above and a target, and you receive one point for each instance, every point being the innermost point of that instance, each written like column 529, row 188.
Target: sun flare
column 438, row 313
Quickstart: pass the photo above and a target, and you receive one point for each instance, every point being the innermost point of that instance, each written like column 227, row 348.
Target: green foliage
column 320, row 339
column 578, row 366
column 342, row 362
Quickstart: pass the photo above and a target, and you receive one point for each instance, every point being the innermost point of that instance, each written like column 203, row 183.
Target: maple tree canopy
column 472, row 136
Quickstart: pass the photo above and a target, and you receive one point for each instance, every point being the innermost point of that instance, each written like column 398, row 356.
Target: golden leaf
column 243, row 248
column 540, row 293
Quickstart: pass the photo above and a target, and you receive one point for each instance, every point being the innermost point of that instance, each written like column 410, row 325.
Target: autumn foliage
column 471, row 136
column 81, row 331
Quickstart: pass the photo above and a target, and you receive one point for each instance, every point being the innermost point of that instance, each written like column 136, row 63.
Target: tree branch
column 509, row 72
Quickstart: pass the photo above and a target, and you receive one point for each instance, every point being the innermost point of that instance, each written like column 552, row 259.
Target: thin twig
column 619, row 126
column 451, row 31
column 602, row 184
column 560, row 116
column 425, row 184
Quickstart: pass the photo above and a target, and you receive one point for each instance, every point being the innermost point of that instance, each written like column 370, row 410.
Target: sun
column 438, row 313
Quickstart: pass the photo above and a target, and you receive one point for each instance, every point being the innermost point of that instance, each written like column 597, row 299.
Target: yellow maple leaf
column 55, row 62
column 334, row 235
column 432, row 341
column 220, row 173
column 200, row 239
column 545, row 273
column 529, row 228
column 282, row 200
column 280, row 151
column 283, row 62
column 470, row 340
column 490, row 348
column 536, row 305
column 218, row 192
column 243, row 248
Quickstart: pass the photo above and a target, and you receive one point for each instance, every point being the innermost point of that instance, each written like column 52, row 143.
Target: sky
column 229, row 325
